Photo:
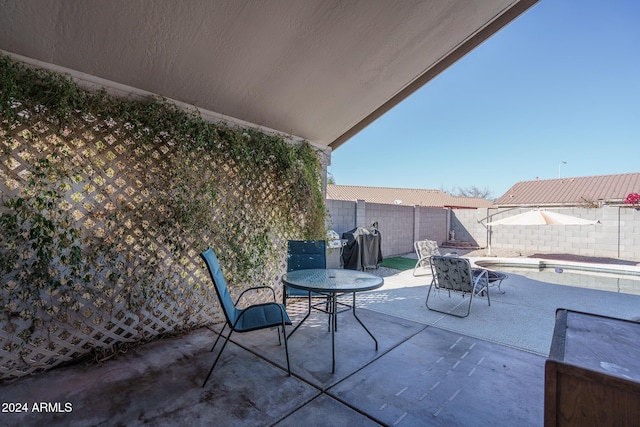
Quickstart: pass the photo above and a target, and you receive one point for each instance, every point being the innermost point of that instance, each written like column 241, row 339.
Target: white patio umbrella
column 542, row 217
column 539, row 217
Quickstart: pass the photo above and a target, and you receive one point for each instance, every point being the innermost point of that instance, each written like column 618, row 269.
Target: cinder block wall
column 399, row 225
column 431, row 224
column 342, row 215
column 629, row 244
column 395, row 223
column 617, row 235
column 467, row 226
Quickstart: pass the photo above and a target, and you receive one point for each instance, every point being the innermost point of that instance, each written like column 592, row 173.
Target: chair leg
column 415, row 268
column 218, row 357
column 448, row 312
column 304, row 318
column 419, row 265
column 469, row 308
column 286, row 346
column 482, row 291
column 219, row 335
column 426, row 303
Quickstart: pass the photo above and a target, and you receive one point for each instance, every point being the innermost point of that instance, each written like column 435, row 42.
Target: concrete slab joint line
column 399, row 420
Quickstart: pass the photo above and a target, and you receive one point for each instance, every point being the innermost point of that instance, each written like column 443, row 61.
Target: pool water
column 621, row 283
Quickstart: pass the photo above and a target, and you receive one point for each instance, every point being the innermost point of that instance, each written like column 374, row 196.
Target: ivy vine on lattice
column 105, row 205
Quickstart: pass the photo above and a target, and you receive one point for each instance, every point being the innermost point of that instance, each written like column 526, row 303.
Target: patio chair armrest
column 421, row 262
column 255, row 288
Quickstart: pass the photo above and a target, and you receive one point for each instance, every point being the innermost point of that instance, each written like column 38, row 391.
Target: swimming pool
column 612, row 278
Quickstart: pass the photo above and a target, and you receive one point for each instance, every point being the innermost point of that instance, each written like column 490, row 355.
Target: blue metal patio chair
column 301, row 255
column 251, row 318
column 452, row 273
column 307, row 254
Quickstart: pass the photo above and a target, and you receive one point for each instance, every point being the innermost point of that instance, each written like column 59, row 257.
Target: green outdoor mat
column 399, row 263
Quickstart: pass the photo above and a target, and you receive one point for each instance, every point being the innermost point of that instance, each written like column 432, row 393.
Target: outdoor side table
column 333, row 283
column 592, row 376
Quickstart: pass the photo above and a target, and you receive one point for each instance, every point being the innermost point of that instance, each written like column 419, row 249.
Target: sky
column 561, row 83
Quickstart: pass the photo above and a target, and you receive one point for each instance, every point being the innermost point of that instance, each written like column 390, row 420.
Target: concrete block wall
column 395, row 223
column 342, row 215
column 399, row 225
column 576, row 240
column 431, row 224
column 617, row 235
column 629, row 243
column 467, row 226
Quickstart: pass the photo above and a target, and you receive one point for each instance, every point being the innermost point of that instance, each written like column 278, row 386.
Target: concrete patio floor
column 430, row 368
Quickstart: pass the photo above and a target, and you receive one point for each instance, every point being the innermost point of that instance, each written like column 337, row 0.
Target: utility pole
column 560, row 164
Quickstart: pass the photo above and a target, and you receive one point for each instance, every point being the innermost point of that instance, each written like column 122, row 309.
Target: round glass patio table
column 333, row 283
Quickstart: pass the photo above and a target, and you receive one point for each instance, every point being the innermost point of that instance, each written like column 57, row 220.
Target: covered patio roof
column 319, row 70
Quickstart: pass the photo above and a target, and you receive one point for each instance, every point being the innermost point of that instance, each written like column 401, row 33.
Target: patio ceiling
column 321, row 70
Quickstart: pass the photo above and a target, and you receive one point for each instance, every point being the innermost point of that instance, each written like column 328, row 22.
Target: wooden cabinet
column 592, row 376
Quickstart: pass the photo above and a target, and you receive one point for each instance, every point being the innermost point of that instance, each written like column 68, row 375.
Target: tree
column 473, row 191
column 330, row 178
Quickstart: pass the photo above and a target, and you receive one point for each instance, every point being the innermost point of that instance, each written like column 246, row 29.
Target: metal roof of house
column 403, row 196
column 318, row 70
column 579, row 191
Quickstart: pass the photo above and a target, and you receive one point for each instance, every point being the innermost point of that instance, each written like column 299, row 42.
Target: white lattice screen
column 144, row 278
